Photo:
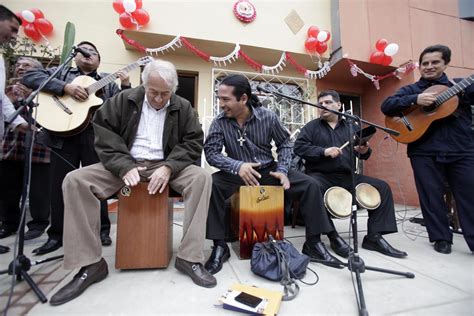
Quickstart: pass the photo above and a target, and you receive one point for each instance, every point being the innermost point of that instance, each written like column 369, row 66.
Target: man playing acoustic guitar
column 445, row 152
column 72, row 151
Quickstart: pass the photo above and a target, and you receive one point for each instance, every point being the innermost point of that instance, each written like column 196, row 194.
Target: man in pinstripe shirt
column 246, row 129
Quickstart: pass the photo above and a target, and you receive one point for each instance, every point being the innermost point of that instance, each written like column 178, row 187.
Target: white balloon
column 28, row 16
column 322, row 36
column 129, row 5
column 391, row 49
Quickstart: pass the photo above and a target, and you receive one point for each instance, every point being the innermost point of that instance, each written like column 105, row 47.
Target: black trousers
column 302, row 188
column 77, row 150
column 382, row 219
column 11, row 186
column 430, row 175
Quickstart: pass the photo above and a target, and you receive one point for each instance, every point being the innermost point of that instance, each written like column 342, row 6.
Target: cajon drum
column 256, row 212
column 144, row 229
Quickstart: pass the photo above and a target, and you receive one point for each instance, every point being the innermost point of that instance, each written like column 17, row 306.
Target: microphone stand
column 21, row 263
column 355, row 262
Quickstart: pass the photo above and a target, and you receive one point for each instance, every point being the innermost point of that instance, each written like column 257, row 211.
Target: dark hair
column 443, row 49
column 332, row 93
column 6, row 14
column 241, row 85
column 90, row 44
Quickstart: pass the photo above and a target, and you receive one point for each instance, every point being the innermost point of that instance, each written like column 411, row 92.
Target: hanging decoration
column 237, row 52
column 131, row 13
column 35, row 25
column 405, row 69
column 316, row 41
column 384, row 52
column 245, row 11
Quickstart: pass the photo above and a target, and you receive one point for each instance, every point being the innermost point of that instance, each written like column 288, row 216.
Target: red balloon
column 118, row 6
column 38, row 14
column 311, row 44
column 141, row 16
column 376, row 57
column 321, row 47
column 139, row 4
column 313, row 31
column 387, row 60
column 126, row 20
column 43, row 25
column 381, row 44
column 31, row 32
column 329, row 37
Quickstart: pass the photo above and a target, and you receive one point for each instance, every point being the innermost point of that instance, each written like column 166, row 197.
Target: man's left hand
column 362, row 149
column 124, row 78
column 159, row 179
column 283, row 179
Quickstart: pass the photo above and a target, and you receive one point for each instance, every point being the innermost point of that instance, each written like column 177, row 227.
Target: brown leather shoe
column 87, row 276
column 196, row 271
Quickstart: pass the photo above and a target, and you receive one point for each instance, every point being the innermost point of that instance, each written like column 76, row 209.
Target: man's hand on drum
column 132, row 177
column 283, row 179
column 332, row 152
column 248, row 174
column 159, row 179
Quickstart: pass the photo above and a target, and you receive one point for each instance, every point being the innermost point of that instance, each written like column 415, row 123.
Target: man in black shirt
column 445, row 153
column 319, row 145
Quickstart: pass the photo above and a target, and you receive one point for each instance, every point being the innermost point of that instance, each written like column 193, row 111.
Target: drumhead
column 367, row 196
column 338, row 202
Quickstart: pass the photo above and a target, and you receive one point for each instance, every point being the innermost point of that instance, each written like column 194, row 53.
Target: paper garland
column 180, row 41
column 355, row 70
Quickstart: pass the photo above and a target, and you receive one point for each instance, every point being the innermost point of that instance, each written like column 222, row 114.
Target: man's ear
column 339, row 105
column 244, row 98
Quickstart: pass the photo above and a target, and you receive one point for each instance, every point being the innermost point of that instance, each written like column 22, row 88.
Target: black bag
column 278, row 260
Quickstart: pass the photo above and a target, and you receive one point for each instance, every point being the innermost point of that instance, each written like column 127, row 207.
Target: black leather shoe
column 442, row 246
column 340, row 246
column 196, row 271
column 50, row 246
column 105, row 239
column 4, row 249
column 33, row 233
column 377, row 243
column 319, row 251
column 87, row 276
column 5, row 232
column 218, row 256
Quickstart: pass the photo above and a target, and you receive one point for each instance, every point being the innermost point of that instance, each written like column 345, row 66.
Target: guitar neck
column 449, row 93
column 93, row 88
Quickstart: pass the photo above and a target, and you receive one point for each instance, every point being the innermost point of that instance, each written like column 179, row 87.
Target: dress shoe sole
column 225, row 258
column 373, row 248
column 77, row 294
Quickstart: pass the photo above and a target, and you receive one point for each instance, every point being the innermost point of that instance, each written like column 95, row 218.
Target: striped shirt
column 148, row 142
column 257, row 133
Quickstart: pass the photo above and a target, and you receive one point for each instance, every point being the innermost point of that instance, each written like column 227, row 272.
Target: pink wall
column 414, row 25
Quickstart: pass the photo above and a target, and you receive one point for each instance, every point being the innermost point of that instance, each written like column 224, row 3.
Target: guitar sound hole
column 428, row 109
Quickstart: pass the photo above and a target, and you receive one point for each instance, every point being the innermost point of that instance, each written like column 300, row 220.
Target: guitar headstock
column 144, row 60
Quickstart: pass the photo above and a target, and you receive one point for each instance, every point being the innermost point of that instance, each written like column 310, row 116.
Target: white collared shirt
column 148, row 142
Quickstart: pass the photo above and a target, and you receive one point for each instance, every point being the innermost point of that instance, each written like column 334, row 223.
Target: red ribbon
column 130, row 41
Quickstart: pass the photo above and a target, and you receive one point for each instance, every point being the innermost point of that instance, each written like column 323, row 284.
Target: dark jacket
column 116, row 124
column 451, row 136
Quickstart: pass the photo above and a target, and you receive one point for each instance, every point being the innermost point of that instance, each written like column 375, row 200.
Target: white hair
column 165, row 70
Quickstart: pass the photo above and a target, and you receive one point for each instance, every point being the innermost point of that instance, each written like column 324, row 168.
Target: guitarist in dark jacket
column 68, row 153
column 445, row 153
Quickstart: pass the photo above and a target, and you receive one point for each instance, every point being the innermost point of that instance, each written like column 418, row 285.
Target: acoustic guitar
column 64, row 116
column 414, row 122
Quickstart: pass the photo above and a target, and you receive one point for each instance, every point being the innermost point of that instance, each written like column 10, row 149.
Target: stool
column 256, row 212
column 144, row 228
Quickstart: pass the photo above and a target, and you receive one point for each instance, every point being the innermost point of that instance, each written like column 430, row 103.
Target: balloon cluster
column 35, row 26
column 131, row 13
column 317, row 40
column 383, row 54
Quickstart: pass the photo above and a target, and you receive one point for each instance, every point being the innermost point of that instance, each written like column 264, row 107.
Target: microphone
column 260, row 89
column 84, row 52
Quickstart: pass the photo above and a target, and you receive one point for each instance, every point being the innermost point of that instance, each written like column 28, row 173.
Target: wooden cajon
column 144, row 228
column 256, row 212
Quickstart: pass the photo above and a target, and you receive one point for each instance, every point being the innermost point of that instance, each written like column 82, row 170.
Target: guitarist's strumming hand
column 77, row 92
column 426, row 99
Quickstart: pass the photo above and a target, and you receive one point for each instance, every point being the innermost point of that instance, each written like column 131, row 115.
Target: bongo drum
column 367, row 196
column 338, row 202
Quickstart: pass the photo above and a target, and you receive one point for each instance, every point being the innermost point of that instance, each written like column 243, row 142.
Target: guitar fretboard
column 449, row 93
column 93, row 88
